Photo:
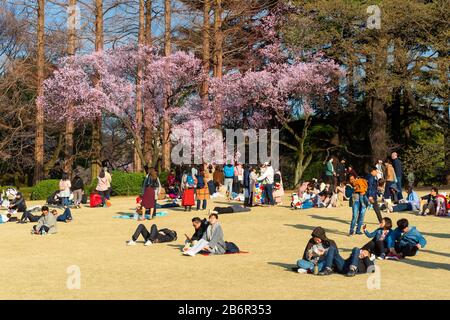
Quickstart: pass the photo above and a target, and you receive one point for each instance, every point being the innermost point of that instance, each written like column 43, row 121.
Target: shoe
column 351, row 273
column 148, row 243
column 131, row 243
column 381, row 256
column 372, row 257
column 302, row 271
column 359, row 232
column 350, row 234
column 326, row 272
column 392, row 257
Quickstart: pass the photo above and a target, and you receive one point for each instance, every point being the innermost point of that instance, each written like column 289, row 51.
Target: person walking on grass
column 372, row 192
column 358, row 203
column 64, row 189
column 398, row 168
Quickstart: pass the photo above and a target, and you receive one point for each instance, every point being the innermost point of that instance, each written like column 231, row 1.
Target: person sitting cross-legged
column 46, row 223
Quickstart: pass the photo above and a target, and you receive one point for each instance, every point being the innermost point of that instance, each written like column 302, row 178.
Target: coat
column 49, row 221
column 214, row 235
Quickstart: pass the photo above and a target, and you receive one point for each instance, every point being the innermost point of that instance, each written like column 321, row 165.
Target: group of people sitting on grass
column 321, row 255
column 208, row 237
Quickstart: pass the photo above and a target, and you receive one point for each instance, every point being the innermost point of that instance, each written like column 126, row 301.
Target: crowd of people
column 193, row 186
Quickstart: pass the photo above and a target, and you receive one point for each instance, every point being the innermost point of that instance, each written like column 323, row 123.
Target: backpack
column 190, row 181
column 171, row 234
column 231, row 247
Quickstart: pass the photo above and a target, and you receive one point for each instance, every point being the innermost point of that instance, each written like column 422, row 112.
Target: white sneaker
column 300, row 270
column 372, row 257
column 131, row 243
column 148, row 243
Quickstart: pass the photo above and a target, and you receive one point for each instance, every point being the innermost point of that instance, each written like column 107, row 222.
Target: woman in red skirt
column 149, row 191
column 188, row 200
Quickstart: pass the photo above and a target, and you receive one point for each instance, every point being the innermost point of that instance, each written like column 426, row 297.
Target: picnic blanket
column 210, row 254
column 135, row 216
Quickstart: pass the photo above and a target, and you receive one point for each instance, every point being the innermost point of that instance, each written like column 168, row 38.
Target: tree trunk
column 205, row 48
column 68, row 152
column 378, row 140
column 97, row 123
column 218, row 51
column 447, row 147
column 39, row 142
column 148, row 125
column 141, row 40
column 166, row 147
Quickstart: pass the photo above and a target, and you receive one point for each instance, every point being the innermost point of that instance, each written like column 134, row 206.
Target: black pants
column 203, row 206
column 377, row 210
column 376, row 247
column 28, row 215
column 43, row 228
column 223, row 210
column 409, row 250
column 142, row 230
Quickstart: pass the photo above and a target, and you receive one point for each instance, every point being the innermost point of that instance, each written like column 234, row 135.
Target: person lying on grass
column 315, row 252
column 200, row 227
column 65, row 217
column 152, row 236
column 212, row 240
column 378, row 244
column 46, row 223
column 404, row 241
column 358, row 262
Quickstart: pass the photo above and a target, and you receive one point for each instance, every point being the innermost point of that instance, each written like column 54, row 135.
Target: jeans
column 403, row 207
column 77, row 196
column 399, row 193
column 28, row 215
column 268, row 191
column 228, row 183
column 67, row 215
column 308, row 265
column 358, row 212
column 203, row 206
column 340, row 265
column 65, row 201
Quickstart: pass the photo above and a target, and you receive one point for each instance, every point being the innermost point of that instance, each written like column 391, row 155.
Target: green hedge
column 44, row 189
column 126, row 184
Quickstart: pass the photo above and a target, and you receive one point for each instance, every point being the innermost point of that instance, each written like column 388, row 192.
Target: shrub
column 44, row 189
column 125, row 184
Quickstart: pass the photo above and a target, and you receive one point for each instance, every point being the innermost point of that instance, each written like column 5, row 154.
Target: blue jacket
column 413, row 236
column 228, row 171
column 377, row 234
column 372, row 189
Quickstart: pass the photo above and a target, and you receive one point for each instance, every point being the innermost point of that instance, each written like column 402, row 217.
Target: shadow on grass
column 427, row 264
column 285, row 266
column 346, row 222
column 178, row 247
column 305, row 227
column 437, row 235
column 444, row 254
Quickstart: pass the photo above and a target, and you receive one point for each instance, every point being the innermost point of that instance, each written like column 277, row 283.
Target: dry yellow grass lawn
column 35, row 267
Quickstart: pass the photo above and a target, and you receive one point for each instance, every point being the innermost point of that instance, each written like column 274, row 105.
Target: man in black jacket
column 200, row 227
column 398, row 168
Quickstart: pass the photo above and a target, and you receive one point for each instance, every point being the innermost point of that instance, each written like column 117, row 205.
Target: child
column 379, row 242
column 315, row 252
column 64, row 189
column 404, row 241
